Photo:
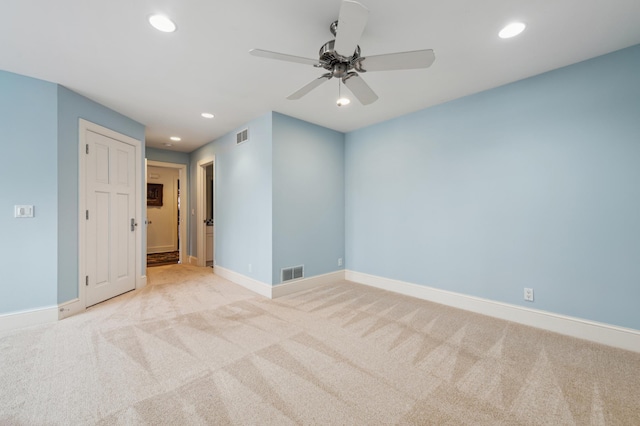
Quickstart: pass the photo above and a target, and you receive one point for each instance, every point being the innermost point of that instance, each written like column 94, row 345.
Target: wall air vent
column 293, row 273
column 242, row 136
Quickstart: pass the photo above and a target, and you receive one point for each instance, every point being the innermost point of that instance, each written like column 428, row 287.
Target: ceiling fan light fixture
column 342, row 100
column 512, row 30
column 162, row 23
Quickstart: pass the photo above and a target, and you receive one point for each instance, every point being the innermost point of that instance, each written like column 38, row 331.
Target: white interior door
column 111, row 225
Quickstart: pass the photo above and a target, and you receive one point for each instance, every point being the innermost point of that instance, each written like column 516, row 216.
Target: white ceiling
column 107, row 51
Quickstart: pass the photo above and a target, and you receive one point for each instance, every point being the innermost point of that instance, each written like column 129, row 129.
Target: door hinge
column 86, row 148
column 87, row 214
column 86, row 280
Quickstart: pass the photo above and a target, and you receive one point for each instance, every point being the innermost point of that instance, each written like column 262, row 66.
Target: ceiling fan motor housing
column 332, row 61
column 337, row 64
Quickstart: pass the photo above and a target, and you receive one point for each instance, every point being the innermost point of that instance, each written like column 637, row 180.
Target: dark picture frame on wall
column 154, row 194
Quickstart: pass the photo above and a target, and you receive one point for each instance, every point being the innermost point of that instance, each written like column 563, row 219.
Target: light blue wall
column 243, row 204
column 308, row 197
column 71, row 108
column 155, row 154
column 28, row 252
column 534, row 184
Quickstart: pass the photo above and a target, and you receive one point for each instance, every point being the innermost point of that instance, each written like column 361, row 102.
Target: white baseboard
column 72, row 307
column 620, row 337
column 28, row 318
column 290, row 287
column 246, row 282
column 279, row 290
column 193, row 261
column 142, row 282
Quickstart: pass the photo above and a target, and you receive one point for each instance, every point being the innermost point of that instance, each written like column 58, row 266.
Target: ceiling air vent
column 293, row 273
column 242, row 136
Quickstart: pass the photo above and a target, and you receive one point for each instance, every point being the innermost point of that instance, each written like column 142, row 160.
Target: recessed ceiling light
column 168, row 144
column 162, row 23
column 175, row 138
column 512, row 30
column 207, row 115
column 343, row 102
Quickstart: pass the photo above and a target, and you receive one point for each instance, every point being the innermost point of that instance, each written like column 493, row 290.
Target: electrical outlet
column 528, row 294
column 339, row 261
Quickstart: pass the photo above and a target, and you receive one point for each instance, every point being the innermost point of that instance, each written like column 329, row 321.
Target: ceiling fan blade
column 360, row 89
column 397, row 61
column 351, row 22
column 309, row 87
column 283, row 57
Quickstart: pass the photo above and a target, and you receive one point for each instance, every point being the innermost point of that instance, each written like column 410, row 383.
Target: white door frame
column 201, row 211
column 184, row 201
column 82, row 204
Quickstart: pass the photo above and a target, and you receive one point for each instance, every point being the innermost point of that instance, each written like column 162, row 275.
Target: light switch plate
column 23, row 211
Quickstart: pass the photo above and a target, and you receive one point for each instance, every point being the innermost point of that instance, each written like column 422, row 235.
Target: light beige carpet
column 192, row 348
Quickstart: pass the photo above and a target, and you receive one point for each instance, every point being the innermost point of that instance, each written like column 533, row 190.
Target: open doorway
column 209, row 215
column 205, row 229
column 166, row 201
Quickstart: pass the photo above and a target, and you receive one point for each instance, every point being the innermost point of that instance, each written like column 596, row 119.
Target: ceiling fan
column 343, row 59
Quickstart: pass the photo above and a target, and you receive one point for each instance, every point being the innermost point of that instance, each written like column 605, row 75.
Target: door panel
column 123, row 176
column 101, row 244
column 101, row 163
column 111, row 192
column 123, row 234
